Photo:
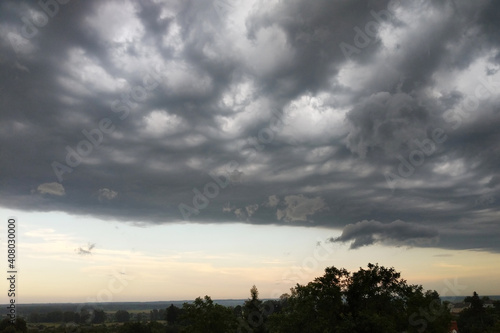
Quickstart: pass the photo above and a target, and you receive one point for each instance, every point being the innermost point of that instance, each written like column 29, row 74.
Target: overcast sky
column 371, row 123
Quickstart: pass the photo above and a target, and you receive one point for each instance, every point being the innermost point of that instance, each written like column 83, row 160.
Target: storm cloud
column 378, row 118
column 398, row 232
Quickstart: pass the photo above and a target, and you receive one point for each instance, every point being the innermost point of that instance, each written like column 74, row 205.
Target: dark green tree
column 9, row 329
column 85, row 316
column 475, row 319
column 204, row 316
column 374, row 297
column 19, row 326
column 253, row 313
column 153, row 315
column 34, row 317
column 68, row 316
column 238, row 311
column 370, row 300
column 135, row 327
column 98, row 317
column 315, row 307
column 427, row 312
column 156, row 327
column 55, row 317
column 172, row 314
column 122, row 316
column 140, row 317
column 162, row 313
column 172, row 329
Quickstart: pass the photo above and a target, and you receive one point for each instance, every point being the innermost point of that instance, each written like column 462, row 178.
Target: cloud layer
column 398, row 232
column 376, row 117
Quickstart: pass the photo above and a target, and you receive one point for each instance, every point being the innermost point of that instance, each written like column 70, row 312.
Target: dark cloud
column 320, row 113
column 398, row 232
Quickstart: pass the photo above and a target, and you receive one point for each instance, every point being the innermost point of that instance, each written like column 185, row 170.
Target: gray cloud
column 398, row 232
column 180, row 107
column 299, row 208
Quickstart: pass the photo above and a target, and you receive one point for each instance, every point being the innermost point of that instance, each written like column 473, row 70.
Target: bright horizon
column 161, row 263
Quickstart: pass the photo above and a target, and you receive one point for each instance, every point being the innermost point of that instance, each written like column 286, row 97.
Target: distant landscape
column 25, row 309
column 375, row 299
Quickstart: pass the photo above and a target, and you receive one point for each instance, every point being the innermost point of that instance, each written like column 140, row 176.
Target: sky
column 165, row 150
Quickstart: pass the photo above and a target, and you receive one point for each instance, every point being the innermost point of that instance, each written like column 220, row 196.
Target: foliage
column 204, row 316
column 252, row 313
column 99, row 317
column 476, row 319
column 313, row 307
column 370, row 300
column 18, row 326
column 135, row 327
column 122, row 316
column 172, row 314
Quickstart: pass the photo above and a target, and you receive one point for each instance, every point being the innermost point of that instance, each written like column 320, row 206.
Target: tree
column 238, row 311
column 84, row 316
column 252, row 311
column 135, row 327
column 9, row 329
column 34, row 317
column 99, row 317
column 315, row 307
column 475, row 319
column 381, row 301
column 370, row 300
column 69, row 316
column 162, row 313
column 122, row 316
column 140, row 316
column 153, row 315
column 428, row 313
column 55, row 316
column 205, row 316
column 19, row 326
column 374, row 289
column 172, row 314
column 476, row 304
column 156, row 327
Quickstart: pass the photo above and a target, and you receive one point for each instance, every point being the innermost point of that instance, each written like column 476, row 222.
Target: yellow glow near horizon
column 184, row 261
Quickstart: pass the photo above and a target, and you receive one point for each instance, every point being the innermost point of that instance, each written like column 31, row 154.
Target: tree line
column 93, row 316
